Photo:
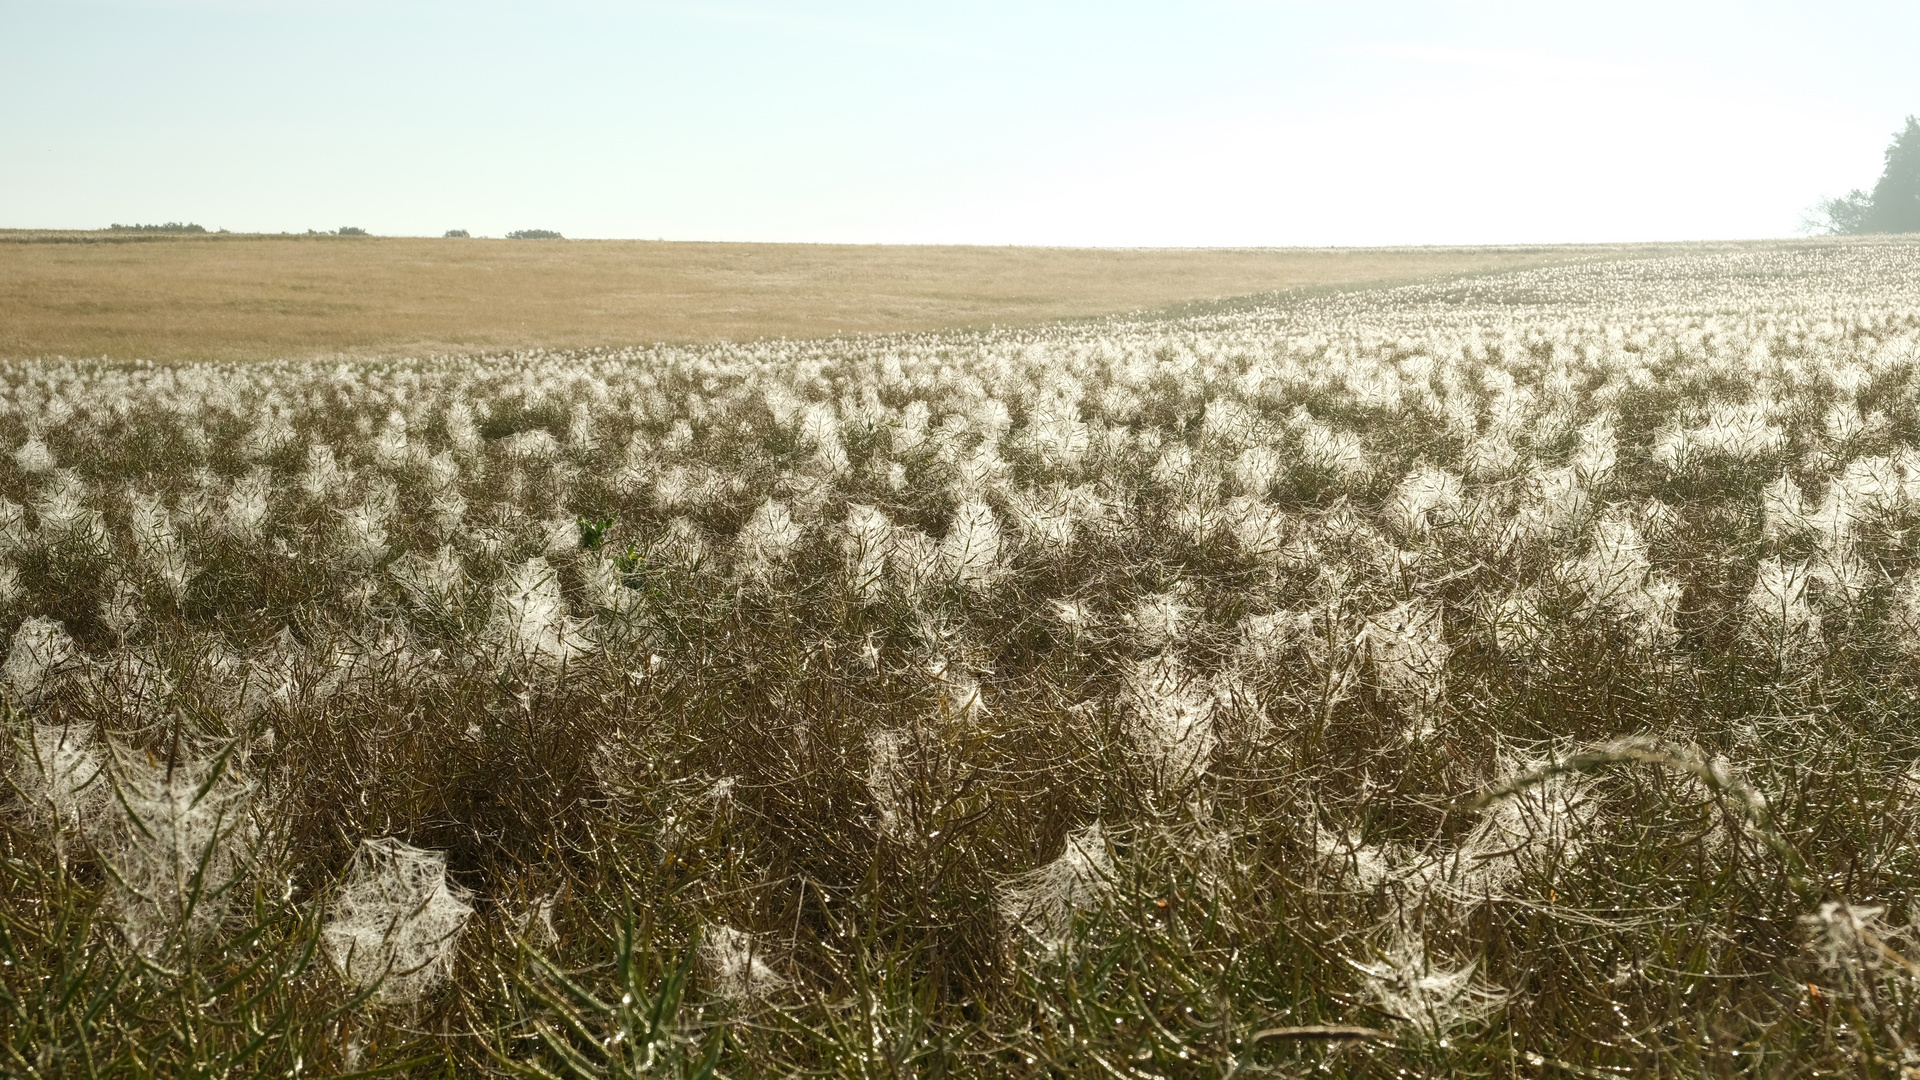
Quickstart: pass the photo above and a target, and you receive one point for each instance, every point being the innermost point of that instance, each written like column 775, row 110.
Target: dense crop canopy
column 1089, row 698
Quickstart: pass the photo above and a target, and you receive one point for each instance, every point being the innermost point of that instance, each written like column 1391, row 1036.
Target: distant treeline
column 344, row 230
column 171, row 226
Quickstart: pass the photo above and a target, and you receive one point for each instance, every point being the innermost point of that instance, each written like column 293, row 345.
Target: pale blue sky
column 1207, row 123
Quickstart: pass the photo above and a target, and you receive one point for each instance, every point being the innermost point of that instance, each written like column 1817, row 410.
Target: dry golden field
column 231, row 297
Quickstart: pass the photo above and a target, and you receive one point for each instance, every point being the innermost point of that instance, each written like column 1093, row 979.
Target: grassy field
column 1511, row 674
column 221, row 297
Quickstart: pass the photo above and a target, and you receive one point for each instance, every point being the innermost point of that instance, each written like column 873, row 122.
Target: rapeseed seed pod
column 1783, row 510
column 958, row 694
column 14, row 534
column 1409, row 656
column 867, row 537
column 530, row 631
column 1170, row 714
column 390, row 445
column 1778, row 618
column 768, row 539
column 361, row 539
column 1427, row 498
column 33, row 456
column 394, row 921
column 57, row 774
column 272, row 430
column 1043, row 902
column 1045, row 519
column 1598, row 450
column 1431, row 998
column 161, row 551
column 41, row 653
column 325, row 479
column 1257, row 469
column 887, row 781
column 1338, row 452
column 247, row 507
column 66, row 518
column 1058, row 437
column 435, row 584
column 462, row 433
column 178, row 836
column 1159, row 620
column 970, row 552
column 736, row 962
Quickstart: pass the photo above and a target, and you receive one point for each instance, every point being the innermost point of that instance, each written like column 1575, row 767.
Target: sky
column 1310, row 122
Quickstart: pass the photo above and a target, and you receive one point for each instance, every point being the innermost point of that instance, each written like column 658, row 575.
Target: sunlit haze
column 987, row 122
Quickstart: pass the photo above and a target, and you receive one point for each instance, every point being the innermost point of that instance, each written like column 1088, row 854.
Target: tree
column 1894, row 204
column 1896, row 198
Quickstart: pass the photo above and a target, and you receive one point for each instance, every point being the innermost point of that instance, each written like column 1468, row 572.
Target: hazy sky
column 1033, row 123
